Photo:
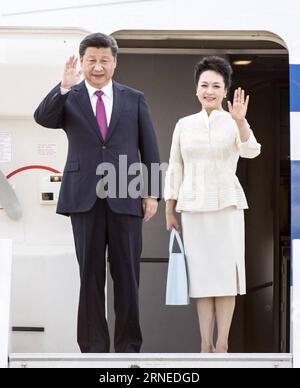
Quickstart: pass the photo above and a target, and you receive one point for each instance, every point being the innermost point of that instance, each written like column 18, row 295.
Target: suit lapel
column 83, row 100
column 117, row 109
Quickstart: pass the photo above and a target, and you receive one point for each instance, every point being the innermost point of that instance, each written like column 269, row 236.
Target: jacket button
column 104, row 147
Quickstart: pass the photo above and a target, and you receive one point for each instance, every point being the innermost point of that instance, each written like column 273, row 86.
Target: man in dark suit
column 104, row 121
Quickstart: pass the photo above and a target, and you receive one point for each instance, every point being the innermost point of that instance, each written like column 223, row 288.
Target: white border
column 295, row 135
column 5, row 287
column 295, row 334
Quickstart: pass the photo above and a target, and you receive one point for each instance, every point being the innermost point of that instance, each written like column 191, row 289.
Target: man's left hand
column 150, row 206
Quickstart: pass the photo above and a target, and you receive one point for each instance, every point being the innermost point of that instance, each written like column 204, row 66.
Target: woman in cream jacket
column 202, row 185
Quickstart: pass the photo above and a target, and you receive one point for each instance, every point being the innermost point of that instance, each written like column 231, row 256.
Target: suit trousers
column 93, row 232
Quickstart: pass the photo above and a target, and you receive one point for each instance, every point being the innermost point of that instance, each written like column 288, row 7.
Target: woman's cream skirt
column 214, row 245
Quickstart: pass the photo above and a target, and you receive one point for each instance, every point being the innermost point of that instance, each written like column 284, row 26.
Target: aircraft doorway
column 162, row 66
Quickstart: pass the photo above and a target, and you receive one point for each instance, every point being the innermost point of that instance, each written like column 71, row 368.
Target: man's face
column 98, row 66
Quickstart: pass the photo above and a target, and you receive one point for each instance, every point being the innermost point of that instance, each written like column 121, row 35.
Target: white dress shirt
column 203, row 160
column 108, row 98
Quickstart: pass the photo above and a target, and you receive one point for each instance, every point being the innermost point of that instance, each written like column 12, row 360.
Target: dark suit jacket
column 130, row 133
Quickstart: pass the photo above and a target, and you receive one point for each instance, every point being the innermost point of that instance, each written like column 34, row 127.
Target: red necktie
column 101, row 114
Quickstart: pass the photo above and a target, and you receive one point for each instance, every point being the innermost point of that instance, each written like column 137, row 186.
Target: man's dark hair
column 217, row 64
column 98, row 40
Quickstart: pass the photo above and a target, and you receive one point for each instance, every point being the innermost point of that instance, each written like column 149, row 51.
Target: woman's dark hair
column 98, row 40
column 217, row 64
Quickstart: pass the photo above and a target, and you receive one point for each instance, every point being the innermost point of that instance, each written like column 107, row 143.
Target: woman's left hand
column 238, row 109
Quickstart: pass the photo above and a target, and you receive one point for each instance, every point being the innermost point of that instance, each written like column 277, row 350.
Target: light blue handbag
column 177, row 292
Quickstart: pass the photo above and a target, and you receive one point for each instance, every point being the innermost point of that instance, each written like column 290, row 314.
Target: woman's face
column 211, row 90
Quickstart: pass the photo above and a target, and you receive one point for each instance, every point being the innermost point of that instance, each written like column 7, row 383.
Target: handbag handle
column 174, row 234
